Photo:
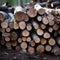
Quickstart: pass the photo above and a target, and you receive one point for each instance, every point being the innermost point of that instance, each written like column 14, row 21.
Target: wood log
column 23, row 45
column 32, row 12
column 4, row 24
column 2, row 30
column 43, row 26
column 7, row 39
column 2, row 42
column 19, row 16
column 28, row 39
column 31, row 50
column 8, row 29
column 36, row 38
column 40, row 49
column 25, row 33
column 51, row 22
column 11, row 25
column 5, row 34
column 50, row 29
column 24, row 39
column 32, row 43
column 50, row 16
column 35, row 25
column 29, row 27
column 14, row 43
column 13, row 36
column 19, row 40
column 41, row 11
column 55, row 27
column 40, row 32
column 39, row 18
column 43, row 41
column 22, row 25
column 16, row 25
column 8, row 45
column 45, row 21
column 52, row 41
column 46, row 35
column 48, row 48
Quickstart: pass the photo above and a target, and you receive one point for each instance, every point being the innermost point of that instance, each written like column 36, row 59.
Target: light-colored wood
column 46, row 35
column 7, row 39
column 32, row 43
column 8, row 29
column 50, row 29
column 31, row 50
column 19, row 40
column 43, row 26
column 32, row 12
column 36, row 38
column 45, row 21
column 51, row 22
column 25, row 33
column 40, row 32
column 48, row 48
column 23, row 45
column 24, row 39
column 22, row 25
column 16, row 25
column 29, row 27
column 43, row 41
column 39, row 18
column 41, row 11
column 40, row 49
column 52, row 41
column 35, row 25
column 28, row 39
column 4, row 24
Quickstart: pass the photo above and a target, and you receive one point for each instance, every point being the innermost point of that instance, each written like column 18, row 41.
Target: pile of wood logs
column 31, row 31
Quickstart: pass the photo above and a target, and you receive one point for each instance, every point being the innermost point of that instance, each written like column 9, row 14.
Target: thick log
column 28, row 39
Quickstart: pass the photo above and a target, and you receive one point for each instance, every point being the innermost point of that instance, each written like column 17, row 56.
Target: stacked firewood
column 31, row 31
